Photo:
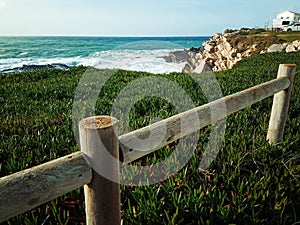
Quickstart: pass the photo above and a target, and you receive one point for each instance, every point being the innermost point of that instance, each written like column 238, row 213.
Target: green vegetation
column 261, row 38
column 289, row 36
column 244, row 42
column 250, row 182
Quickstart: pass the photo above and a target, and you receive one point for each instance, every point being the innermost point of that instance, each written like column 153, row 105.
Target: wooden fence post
column 100, row 145
column 280, row 106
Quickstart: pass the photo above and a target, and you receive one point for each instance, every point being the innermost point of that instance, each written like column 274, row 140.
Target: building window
column 285, row 22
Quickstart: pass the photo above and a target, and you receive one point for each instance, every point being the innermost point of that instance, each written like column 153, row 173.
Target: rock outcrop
column 177, row 56
column 224, row 50
column 27, row 68
column 217, row 54
column 285, row 47
column 276, row 48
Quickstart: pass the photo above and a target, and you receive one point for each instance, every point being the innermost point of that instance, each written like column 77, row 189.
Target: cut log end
column 289, row 65
column 98, row 122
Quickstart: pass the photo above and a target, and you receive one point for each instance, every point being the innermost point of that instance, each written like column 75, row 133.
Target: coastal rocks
column 196, row 50
column 178, row 56
column 199, row 67
column 293, row 47
column 217, row 54
column 285, row 47
column 251, row 50
column 296, row 44
column 276, row 48
column 202, row 67
column 290, row 48
column 28, row 68
column 188, row 55
column 224, row 50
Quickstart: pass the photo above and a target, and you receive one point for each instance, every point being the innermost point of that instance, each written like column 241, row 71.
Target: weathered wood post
column 99, row 143
column 280, row 106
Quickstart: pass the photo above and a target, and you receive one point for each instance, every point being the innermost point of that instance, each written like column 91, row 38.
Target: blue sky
column 136, row 17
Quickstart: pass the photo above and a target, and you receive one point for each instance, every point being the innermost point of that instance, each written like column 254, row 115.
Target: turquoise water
column 133, row 53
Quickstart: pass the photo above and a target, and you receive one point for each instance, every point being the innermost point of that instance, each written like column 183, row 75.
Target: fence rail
column 30, row 188
column 174, row 124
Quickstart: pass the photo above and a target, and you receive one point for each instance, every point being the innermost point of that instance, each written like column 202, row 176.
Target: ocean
column 130, row 53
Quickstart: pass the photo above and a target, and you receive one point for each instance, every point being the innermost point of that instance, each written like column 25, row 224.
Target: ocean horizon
column 130, row 53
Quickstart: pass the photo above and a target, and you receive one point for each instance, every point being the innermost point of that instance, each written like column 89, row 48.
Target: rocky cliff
column 224, row 50
column 217, row 54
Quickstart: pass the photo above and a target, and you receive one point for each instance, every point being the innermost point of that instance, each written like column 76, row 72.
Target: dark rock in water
column 190, row 56
column 182, row 55
column 27, row 68
column 60, row 66
column 167, row 58
column 196, row 50
column 177, row 56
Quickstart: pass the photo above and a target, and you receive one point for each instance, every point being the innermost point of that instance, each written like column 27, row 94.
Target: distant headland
column 223, row 50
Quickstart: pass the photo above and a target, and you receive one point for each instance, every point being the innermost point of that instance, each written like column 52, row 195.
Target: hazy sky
column 136, row 17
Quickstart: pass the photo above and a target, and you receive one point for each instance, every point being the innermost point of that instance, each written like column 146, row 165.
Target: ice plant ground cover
column 249, row 182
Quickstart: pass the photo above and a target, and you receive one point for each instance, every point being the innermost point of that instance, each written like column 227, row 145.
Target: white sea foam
column 23, row 53
column 138, row 60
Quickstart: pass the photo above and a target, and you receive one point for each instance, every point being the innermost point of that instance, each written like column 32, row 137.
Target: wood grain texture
column 281, row 104
column 183, row 124
column 99, row 143
column 30, row 188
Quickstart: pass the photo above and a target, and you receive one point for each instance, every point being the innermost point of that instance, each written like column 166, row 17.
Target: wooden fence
column 32, row 187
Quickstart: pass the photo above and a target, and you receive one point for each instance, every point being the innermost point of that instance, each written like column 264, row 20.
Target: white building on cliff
column 285, row 18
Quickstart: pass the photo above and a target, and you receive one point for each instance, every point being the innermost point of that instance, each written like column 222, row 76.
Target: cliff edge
column 224, row 50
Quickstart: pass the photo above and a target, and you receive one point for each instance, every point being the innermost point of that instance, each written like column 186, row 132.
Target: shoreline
column 218, row 52
column 116, row 52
